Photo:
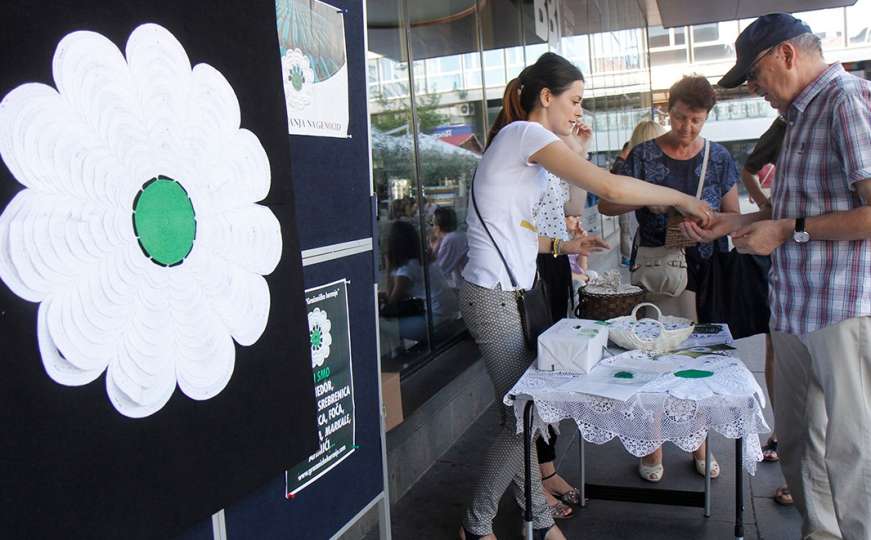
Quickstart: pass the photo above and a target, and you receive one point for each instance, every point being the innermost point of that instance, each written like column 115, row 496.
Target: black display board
column 325, row 506
column 71, row 466
column 331, row 177
column 332, row 185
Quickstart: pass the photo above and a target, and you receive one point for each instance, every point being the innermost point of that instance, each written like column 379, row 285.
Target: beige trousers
column 822, row 408
column 682, row 305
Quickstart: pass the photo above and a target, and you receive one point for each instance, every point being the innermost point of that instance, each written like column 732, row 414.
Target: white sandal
column 651, row 473
column 700, row 466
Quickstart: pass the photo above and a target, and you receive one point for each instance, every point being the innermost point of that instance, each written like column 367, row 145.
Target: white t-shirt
column 443, row 299
column 507, row 188
column 451, row 256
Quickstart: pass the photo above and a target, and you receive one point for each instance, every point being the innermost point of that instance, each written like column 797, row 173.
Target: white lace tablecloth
column 729, row 403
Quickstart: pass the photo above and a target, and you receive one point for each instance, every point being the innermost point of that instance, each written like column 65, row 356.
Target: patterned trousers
column 493, row 320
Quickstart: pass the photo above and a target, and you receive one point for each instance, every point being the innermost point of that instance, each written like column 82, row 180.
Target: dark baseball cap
column 765, row 32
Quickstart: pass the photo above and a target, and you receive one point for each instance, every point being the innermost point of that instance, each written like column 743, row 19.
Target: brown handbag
column 673, row 237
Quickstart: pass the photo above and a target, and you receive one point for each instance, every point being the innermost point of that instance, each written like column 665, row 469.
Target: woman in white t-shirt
column 540, row 104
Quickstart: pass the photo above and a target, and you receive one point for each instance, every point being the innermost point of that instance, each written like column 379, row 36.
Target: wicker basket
column 673, row 237
column 627, row 332
column 601, row 307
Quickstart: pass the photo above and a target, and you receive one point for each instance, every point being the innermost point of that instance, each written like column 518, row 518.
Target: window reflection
column 859, row 23
column 667, row 46
column 828, row 24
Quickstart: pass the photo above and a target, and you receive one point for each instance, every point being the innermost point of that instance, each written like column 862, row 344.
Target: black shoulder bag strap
column 487, row 230
column 532, row 304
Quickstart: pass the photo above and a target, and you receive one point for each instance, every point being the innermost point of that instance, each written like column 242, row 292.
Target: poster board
column 86, row 454
column 47, row 473
column 333, row 375
column 332, row 185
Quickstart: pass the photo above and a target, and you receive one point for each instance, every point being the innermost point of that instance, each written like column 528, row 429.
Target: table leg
column 527, row 468
column 739, row 488
column 707, row 476
column 583, row 466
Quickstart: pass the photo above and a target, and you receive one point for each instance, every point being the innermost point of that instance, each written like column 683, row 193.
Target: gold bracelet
column 556, row 247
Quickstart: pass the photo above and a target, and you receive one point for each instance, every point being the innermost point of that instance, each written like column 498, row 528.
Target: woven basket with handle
column 625, row 331
column 602, row 307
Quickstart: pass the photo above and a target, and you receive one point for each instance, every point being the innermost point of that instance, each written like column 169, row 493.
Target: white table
column 730, row 402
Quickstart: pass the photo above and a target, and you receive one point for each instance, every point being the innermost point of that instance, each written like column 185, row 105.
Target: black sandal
column 572, row 496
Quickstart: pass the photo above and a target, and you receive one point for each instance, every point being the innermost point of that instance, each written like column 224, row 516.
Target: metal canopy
column 687, row 12
column 448, row 27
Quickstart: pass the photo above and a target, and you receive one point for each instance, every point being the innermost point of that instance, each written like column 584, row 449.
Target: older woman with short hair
column 675, row 160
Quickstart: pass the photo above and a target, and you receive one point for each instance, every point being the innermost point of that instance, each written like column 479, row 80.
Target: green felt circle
column 164, row 221
column 624, row 375
column 693, row 373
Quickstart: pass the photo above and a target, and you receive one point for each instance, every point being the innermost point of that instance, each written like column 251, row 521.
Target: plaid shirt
column 826, row 149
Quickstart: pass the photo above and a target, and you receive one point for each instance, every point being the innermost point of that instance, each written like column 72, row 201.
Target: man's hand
column 721, row 224
column 763, row 237
column 584, row 245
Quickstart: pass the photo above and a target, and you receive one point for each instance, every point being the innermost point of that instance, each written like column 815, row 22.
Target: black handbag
column 734, row 290
column 533, row 304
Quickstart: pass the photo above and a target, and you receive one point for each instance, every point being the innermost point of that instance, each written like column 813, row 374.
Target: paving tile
column 776, row 522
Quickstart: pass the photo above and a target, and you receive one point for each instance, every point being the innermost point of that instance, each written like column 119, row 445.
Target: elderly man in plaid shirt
column 818, row 232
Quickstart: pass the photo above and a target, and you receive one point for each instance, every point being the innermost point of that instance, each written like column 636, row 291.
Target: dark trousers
column 557, row 276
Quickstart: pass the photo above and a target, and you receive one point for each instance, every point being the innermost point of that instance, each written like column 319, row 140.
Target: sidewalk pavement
column 433, row 507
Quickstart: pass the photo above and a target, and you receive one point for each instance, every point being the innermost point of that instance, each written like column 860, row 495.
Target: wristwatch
column 800, row 235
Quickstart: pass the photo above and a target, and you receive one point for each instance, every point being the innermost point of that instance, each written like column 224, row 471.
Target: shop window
column 828, row 24
column 667, row 46
column 859, row 24
column 706, row 32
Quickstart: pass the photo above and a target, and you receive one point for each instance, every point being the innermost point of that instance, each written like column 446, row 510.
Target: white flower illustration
column 298, row 79
column 138, row 232
column 320, row 336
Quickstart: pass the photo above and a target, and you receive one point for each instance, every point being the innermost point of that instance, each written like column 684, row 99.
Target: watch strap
column 799, row 224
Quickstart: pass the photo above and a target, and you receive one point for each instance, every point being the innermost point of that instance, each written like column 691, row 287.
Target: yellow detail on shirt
column 527, row 225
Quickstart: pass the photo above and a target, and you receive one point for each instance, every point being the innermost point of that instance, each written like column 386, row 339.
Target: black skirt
column 556, row 273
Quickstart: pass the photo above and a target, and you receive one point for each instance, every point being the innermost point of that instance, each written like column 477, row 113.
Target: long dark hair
column 402, row 244
column 550, row 71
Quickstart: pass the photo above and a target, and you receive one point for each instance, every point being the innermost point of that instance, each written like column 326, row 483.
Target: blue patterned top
column 648, row 162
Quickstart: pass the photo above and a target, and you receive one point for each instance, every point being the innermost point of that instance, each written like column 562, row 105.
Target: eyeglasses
column 752, row 73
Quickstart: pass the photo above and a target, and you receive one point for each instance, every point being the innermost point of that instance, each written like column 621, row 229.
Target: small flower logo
column 319, row 326
column 298, row 79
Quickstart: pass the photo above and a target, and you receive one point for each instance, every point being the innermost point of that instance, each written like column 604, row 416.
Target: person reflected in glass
column 405, row 297
column 448, row 245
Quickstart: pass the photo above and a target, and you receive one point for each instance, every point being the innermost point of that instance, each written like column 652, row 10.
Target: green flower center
column 694, row 373
column 164, row 221
column 316, row 338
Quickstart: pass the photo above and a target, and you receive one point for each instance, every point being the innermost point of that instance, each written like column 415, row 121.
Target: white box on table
column 572, row 345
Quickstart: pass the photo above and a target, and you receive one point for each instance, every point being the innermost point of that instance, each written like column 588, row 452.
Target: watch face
column 801, row 236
